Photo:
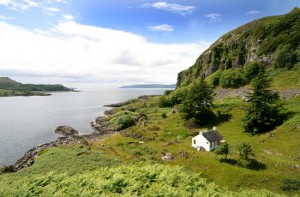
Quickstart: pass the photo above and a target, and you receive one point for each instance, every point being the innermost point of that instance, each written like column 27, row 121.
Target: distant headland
column 9, row 87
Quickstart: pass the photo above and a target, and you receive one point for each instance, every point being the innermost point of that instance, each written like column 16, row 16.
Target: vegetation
column 264, row 110
column 198, row 103
column 245, row 151
column 272, row 42
column 133, row 180
column 10, row 87
column 129, row 162
column 222, row 149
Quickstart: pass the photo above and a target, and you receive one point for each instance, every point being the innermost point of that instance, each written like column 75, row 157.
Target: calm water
column 29, row 121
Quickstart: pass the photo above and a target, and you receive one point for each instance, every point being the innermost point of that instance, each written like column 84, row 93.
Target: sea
column 26, row 122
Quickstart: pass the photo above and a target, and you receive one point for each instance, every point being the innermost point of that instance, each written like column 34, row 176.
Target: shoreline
column 99, row 125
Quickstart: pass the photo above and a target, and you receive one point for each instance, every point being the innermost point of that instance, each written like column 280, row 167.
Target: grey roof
column 213, row 136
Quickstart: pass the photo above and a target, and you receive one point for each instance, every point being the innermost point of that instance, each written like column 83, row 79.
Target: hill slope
column 9, row 87
column 272, row 42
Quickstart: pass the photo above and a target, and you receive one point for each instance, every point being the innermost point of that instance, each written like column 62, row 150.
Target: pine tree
column 199, row 103
column 263, row 112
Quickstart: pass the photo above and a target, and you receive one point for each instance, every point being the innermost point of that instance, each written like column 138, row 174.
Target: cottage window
column 194, row 141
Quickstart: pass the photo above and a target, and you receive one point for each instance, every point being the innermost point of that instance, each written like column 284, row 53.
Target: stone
column 167, row 157
column 65, row 131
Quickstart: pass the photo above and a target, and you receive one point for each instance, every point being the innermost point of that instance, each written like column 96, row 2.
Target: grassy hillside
column 271, row 42
column 109, row 166
column 9, row 87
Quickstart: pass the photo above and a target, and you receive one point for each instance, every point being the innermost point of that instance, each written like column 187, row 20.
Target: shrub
column 125, row 121
column 290, row 185
column 232, row 78
column 164, row 115
column 251, row 70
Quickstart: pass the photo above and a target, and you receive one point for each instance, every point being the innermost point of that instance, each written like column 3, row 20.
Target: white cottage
column 207, row 140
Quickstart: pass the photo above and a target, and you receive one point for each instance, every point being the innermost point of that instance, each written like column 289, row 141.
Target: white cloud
column 68, row 17
column 73, row 52
column 253, row 12
column 176, row 8
column 6, row 17
column 19, row 5
column 213, row 17
column 164, row 28
column 51, row 10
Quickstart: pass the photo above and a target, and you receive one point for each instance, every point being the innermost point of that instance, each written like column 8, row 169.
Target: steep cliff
column 270, row 42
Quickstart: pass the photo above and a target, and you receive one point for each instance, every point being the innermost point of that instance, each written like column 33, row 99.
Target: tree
column 190, row 124
column 199, row 102
column 245, row 151
column 222, row 149
column 263, row 112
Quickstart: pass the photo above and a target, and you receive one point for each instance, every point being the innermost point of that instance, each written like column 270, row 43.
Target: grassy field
column 276, row 153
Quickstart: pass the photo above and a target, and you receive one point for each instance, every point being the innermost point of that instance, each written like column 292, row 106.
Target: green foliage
column 123, row 120
column 172, row 98
column 232, row 78
column 131, row 180
column 222, row 149
column 251, row 70
column 271, row 40
column 199, row 103
column 290, row 185
column 164, row 115
column 245, row 151
column 285, row 57
column 263, row 111
column 216, row 78
column 13, row 88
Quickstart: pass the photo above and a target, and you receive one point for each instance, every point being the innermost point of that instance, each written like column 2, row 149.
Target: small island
column 9, row 87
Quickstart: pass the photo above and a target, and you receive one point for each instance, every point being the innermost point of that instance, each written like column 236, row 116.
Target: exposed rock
column 167, row 157
column 28, row 158
column 65, row 131
column 102, row 125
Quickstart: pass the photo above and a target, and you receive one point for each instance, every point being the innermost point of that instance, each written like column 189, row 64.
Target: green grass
column 278, row 152
column 277, row 164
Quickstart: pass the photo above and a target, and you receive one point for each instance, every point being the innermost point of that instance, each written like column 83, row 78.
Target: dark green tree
column 199, row 103
column 222, row 149
column 263, row 112
column 245, row 151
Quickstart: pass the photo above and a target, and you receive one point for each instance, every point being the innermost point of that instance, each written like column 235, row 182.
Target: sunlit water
column 29, row 121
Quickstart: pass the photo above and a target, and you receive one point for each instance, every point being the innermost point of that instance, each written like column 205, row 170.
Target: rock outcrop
column 101, row 125
column 65, row 131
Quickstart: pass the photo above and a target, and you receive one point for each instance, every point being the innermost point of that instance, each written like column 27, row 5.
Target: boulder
column 65, row 131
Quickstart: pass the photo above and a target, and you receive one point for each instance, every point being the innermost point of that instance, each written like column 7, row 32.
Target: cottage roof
column 213, row 136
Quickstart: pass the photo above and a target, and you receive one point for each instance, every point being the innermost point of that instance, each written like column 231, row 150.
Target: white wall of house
column 201, row 141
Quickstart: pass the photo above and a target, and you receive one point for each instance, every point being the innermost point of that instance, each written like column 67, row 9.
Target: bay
column 26, row 122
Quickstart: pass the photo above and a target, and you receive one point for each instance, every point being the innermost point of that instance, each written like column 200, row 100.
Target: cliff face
column 271, row 41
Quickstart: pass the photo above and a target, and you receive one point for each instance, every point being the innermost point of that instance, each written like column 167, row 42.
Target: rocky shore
column 70, row 136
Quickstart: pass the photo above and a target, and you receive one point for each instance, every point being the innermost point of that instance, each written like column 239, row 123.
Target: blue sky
column 116, row 42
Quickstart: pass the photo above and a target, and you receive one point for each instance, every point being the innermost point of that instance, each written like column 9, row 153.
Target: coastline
column 99, row 125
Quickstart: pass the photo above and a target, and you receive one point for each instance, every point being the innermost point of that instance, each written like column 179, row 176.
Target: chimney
column 214, row 128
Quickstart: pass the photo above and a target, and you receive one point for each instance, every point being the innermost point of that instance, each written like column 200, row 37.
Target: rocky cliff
column 270, row 42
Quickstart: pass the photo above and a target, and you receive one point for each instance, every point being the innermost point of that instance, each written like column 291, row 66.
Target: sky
column 109, row 43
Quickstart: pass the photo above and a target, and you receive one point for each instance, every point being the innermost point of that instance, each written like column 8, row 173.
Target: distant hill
column 150, row 86
column 271, row 42
column 9, row 87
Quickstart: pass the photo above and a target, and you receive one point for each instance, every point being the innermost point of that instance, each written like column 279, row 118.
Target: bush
column 164, row 115
column 251, row 70
column 232, row 78
column 123, row 120
column 284, row 57
column 290, row 185
column 216, row 78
